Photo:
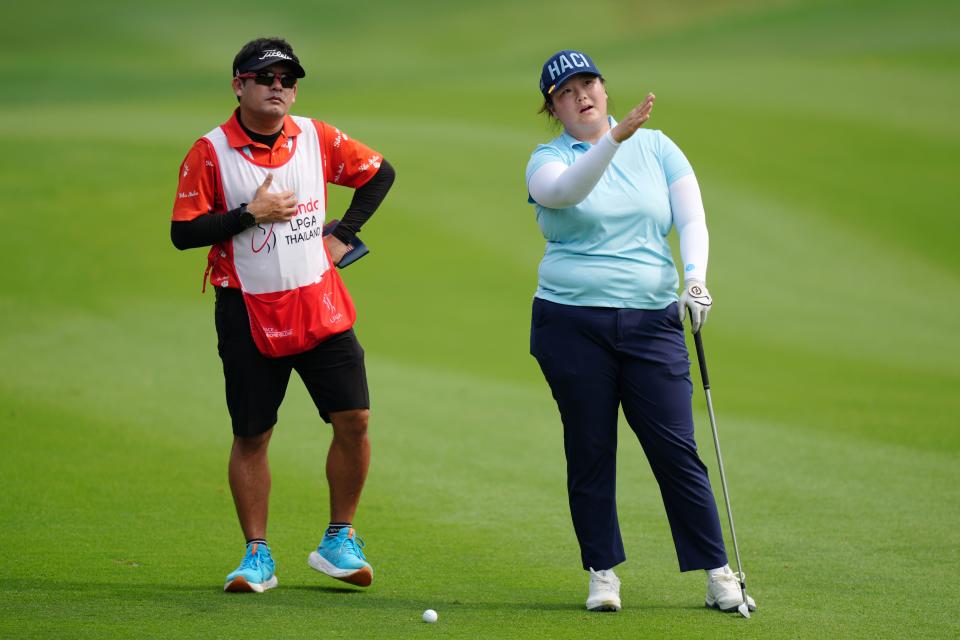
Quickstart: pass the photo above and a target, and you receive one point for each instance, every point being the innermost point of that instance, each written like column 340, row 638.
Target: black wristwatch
column 247, row 219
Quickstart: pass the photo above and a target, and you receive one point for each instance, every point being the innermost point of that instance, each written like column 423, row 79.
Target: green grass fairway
column 825, row 138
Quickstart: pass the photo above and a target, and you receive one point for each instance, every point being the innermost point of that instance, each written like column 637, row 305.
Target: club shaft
column 702, row 361
column 723, row 478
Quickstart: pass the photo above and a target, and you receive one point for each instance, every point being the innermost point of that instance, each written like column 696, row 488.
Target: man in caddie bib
column 254, row 190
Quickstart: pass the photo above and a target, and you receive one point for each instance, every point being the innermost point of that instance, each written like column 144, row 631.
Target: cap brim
column 563, row 80
column 263, row 64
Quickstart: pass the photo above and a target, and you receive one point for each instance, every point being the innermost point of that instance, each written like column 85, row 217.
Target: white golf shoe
column 604, row 591
column 723, row 592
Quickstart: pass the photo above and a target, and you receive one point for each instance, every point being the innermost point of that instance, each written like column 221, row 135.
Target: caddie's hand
column 637, row 117
column 696, row 298
column 336, row 247
column 272, row 207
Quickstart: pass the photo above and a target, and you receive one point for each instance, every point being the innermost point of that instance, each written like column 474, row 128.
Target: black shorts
column 333, row 371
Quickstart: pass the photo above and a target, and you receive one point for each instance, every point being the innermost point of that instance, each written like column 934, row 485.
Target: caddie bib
column 294, row 298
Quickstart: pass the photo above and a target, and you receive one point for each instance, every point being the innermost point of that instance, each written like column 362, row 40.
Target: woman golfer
column 607, row 327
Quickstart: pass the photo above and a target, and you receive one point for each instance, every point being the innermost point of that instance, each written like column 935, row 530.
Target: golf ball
column 430, row 615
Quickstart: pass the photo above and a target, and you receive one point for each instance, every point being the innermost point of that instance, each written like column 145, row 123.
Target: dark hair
column 552, row 123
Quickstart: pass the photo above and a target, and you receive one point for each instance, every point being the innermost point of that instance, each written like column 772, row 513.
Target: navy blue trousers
column 596, row 360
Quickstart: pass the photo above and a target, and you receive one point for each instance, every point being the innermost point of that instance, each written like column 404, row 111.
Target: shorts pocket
column 540, row 314
column 538, row 319
column 220, row 322
column 673, row 316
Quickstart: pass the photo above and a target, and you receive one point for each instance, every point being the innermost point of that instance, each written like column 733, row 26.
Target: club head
column 744, row 610
column 747, row 600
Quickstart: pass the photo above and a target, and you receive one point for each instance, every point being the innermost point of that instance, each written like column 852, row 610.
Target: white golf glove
column 695, row 297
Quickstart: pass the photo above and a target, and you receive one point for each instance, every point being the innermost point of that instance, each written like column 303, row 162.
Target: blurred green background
column 824, row 136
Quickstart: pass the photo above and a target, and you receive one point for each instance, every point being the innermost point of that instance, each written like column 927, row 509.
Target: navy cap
column 561, row 67
column 262, row 58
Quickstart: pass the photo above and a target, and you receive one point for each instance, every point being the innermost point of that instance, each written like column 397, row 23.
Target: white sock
column 719, row 571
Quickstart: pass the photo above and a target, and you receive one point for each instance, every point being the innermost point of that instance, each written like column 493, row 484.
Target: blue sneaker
column 340, row 556
column 255, row 572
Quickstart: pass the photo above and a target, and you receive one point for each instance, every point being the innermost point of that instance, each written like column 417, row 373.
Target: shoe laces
column 606, row 579
column 354, row 544
column 731, row 576
column 251, row 560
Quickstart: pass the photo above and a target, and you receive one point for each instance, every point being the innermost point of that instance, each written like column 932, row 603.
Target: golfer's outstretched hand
column 696, row 298
column 633, row 120
column 272, row 207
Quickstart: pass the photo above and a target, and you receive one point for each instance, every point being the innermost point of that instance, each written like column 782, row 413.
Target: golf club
column 702, row 360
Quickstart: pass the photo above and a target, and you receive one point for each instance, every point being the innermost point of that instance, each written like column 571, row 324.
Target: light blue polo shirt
column 611, row 250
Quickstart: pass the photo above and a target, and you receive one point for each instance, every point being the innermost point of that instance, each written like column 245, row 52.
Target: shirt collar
column 237, row 137
column 573, row 143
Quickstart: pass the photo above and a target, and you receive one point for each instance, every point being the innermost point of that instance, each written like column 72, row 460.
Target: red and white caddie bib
column 294, row 298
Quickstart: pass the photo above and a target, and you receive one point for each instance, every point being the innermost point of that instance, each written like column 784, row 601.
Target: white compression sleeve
column 557, row 186
column 691, row 223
